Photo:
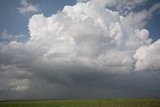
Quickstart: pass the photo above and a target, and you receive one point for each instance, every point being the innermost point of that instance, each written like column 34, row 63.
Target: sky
column 58, row 49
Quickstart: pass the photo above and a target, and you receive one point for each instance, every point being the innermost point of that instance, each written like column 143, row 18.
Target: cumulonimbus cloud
column 91, row 36
column 84, row 36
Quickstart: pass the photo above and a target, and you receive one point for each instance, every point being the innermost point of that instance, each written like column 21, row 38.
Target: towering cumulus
column 96, row 45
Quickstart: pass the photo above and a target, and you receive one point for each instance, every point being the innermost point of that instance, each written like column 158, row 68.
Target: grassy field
column 84, row 103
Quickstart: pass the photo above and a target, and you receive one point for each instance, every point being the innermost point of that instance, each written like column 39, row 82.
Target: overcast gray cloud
column 85, row 50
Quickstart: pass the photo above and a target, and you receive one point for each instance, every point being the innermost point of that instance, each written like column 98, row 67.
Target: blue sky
column 16, row 23
column 154, row 23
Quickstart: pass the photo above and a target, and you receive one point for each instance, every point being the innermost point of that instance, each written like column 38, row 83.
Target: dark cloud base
column 91, row 85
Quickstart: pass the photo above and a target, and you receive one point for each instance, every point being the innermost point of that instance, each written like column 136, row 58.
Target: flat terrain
column 83, row 103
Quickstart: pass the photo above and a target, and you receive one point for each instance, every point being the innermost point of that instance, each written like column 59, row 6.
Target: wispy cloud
column 154, row 8
column 28, row 7
column 7, row 37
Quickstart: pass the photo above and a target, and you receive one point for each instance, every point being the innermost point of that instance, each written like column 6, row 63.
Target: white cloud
column 84, row 35
column 6, row 37
column 82, row 40
column 28, row 8
column 154, row 8
column 148, row 57
column 91, row 37
column 122, row 6
column 138, row 19
column 82, row 0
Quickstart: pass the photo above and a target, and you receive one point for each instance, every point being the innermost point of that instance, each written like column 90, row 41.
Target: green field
column 83, row 103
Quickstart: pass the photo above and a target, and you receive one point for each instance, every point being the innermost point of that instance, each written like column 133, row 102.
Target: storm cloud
column 85, row 50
